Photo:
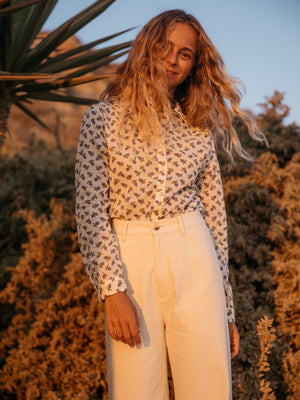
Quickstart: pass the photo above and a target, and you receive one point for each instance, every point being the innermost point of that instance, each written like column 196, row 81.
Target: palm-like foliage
column 30, row 71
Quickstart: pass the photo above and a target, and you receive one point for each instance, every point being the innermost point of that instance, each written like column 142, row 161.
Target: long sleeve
column 112, row 182
column 211, row 193
column 98, row 244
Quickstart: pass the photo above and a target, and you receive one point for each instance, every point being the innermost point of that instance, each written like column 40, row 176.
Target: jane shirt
column 118, row 176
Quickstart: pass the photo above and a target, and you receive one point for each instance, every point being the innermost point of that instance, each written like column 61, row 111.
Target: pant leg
column 139, row 373
column 196, row 324
column 174, row 280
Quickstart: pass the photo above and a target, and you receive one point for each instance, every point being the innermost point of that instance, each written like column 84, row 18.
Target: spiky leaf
column 31, row 114
column 36, row 55
column 27, row 25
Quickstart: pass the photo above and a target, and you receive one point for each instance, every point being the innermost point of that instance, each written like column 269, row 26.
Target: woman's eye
column 186, row 55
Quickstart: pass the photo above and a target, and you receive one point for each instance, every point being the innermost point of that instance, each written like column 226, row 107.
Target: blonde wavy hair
column 209, row 97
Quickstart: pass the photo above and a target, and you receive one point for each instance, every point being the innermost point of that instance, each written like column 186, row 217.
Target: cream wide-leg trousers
column 175, row 283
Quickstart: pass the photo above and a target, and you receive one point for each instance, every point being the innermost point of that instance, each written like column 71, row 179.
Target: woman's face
column 181, row 58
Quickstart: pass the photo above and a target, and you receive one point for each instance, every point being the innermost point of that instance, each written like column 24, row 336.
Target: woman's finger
column 234, row 339
column 127, row 338
column 111, row 330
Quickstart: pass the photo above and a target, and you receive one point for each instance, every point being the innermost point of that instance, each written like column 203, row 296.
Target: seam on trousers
column 181, row 227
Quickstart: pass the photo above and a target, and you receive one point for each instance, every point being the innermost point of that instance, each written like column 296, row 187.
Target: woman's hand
column 234, row 338
column 122, row 320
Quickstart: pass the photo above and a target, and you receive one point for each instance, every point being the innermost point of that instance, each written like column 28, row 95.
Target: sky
column 259, row 40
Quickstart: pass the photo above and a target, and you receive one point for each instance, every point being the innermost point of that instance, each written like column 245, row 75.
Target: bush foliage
column 52, row 333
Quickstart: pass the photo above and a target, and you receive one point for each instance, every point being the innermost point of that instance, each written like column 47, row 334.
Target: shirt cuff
column 111, row 288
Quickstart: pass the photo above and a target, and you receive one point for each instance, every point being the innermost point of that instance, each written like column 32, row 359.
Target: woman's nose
column 172, row 57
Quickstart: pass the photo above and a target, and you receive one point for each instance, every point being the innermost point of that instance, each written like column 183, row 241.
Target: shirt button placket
column 161, row 182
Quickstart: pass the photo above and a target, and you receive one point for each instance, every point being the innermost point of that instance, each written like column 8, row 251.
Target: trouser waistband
column 166, row 225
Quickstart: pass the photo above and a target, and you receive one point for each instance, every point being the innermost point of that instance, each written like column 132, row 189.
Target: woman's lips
column 170, row 72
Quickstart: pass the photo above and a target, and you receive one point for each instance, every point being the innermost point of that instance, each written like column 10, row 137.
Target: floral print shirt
column 118, row 176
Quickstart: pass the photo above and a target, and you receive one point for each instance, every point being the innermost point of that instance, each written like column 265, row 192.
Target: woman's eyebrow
column 188, row 49
column 183, row 48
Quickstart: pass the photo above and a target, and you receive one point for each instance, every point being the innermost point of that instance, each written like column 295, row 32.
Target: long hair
column 209, row 97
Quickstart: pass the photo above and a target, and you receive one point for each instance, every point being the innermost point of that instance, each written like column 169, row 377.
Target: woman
column 151, row 217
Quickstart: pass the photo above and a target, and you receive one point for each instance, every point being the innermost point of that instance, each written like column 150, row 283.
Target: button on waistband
column 156, row 227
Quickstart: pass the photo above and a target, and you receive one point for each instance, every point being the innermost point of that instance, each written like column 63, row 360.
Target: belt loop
column 181, row 225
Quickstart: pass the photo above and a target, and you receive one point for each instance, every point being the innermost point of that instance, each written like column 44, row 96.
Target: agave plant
column 33, row 71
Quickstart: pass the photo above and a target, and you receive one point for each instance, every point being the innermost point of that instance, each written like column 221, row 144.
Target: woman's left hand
column 234, row 338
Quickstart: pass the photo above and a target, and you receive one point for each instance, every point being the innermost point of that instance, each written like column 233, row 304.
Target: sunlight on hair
column 209, row 101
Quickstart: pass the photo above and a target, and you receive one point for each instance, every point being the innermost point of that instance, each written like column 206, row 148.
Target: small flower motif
column 179, row 175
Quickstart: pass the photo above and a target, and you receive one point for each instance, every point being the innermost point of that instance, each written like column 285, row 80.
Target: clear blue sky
column 258, row 39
